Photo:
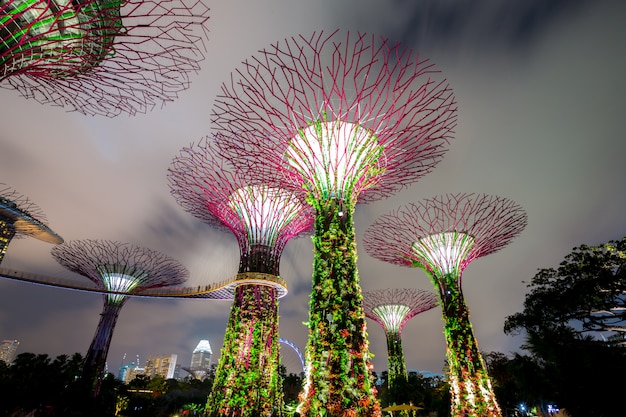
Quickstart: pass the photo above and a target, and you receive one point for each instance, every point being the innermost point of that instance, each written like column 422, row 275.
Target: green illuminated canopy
column 337, row 159
column 444, row 253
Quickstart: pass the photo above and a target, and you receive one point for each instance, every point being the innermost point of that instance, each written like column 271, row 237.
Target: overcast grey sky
column 540, row 89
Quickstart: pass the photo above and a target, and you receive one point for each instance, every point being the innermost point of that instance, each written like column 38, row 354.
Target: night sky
column 541, row 95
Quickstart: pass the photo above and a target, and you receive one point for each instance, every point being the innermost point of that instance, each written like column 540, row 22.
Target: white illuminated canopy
column 119, row 282
column 264, row 211
column 337, row 157
column 444, row 251
column 392, row 316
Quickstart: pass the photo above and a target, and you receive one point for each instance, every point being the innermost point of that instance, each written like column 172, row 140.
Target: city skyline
column 540, row 92
column 9, row 348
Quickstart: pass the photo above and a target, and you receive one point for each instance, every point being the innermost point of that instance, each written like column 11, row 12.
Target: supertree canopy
column 340, row 118
column 20, row 217
column 120, row 269
column 263, row 219
column 443, row 235
column 102, row 57
column 392, row 309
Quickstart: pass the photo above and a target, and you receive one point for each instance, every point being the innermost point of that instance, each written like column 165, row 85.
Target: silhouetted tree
column 520, row 379
column 574, row 320
column 430, row 393
column 292, row 384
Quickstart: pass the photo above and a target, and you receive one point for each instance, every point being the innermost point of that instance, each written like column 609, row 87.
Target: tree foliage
column 51, row 386
column 517, row 380
column 37, row 383
column 574, row 321
column 585, row 295
column 431, row 393
column 338, row 382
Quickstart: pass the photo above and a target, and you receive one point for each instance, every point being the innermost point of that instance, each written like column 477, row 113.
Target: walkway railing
column 221, row 290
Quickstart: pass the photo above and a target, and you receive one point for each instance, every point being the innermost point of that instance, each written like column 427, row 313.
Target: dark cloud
column 485, row 24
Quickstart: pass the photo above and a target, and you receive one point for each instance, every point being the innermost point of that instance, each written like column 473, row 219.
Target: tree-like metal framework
column 20, row 217
column 443, row 235
column 339, row 118
column 121, row 268
column 103, row 57
column 263, row 219
column 392, row 309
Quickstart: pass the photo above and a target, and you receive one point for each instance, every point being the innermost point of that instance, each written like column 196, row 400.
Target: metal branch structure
column 101, row 57
column 443, row 235
column 263, row 219
column 20, row 217
column 121, row 268
column 392, row 309
column 340, row 118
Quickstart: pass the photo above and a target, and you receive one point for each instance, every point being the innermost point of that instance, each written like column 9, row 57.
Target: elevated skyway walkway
column 221, row 290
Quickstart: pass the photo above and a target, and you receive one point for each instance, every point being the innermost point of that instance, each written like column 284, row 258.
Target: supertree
column 120, row 269
column 20, row 217
column 340, row 118
column 103, row 57
column 263, row 219
column 392, row 309
column 443, row 235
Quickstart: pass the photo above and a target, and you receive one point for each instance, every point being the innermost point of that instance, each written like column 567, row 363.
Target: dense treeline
column 525, row 385
column 37, row 385
column 37, row 382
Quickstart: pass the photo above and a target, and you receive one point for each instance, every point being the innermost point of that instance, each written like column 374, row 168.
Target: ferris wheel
column 292, row 359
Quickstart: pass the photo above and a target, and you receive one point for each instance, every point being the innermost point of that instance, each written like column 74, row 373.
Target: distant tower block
column 163, row 365
column 121, row 269
column 442, row 236
column 201, row 356
column 103, row 57
column 344, row 119
column 263, row 219
column 392, row 309
column 20, row 217
column 8, row 349
column 201, row 360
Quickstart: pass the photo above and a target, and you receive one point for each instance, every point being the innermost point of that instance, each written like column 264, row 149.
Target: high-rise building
column 132, row 372
column 8, row 348
column 201, row 357
column 177, row 369
column 162, row 365
column 125, row 371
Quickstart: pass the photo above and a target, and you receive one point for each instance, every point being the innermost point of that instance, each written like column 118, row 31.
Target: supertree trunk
column 338, row 379
column 397, row 378
column 247, row 382
column 397, row 366
column 470, row 386
column 95, row 360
